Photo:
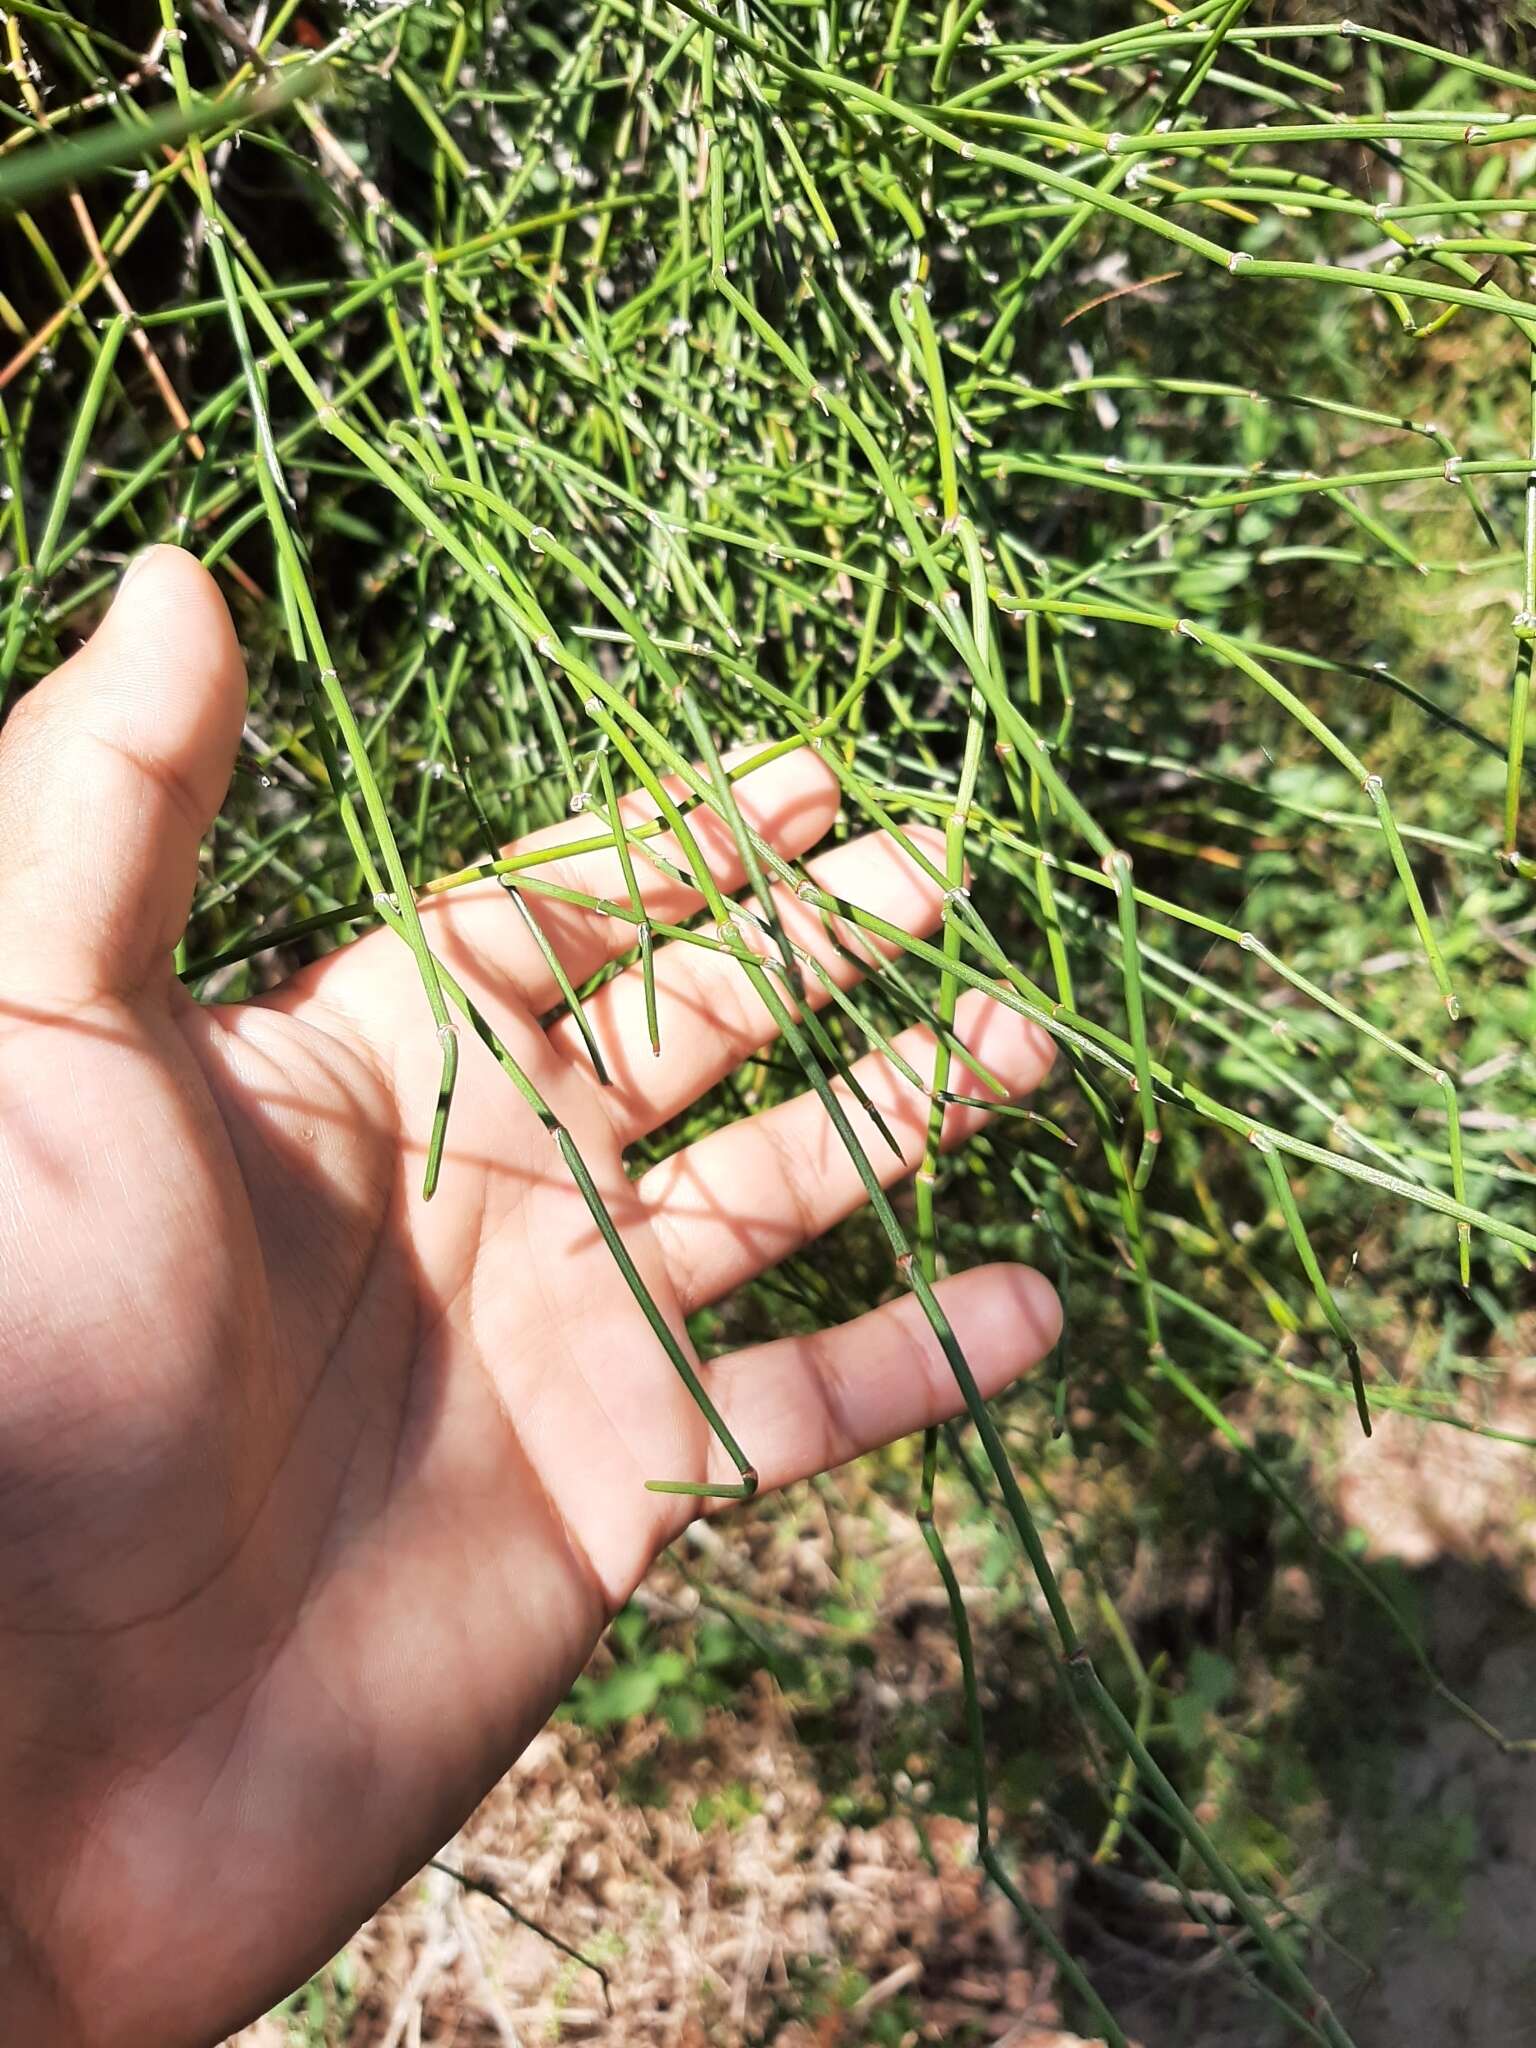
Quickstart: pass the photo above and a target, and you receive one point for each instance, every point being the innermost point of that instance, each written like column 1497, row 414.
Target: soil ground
column 731, row 1906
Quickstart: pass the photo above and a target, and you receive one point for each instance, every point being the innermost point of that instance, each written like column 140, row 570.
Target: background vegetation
column 1107, row 433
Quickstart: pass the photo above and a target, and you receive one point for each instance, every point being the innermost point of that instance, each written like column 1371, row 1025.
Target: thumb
column 111, row 771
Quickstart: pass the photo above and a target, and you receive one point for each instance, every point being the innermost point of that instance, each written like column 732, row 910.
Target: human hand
column 314, row 1497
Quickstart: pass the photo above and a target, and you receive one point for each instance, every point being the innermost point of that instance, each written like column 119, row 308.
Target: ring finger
column 733, row 1204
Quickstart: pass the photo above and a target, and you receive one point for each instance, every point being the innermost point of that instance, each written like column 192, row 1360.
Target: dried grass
column 717, row 1936
column 785, row 1927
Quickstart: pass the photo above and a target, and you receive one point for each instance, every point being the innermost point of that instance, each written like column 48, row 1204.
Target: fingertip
column 927, row 845
column 803, row 760
column 175, row 681
column 1013, row 1051
column 932, row 844
column 146, row 561
column 929, row 841
column 1039, row 1309
column 1007, row 1317
column 879, row 876
column 1015, row 1048
column 791, row 800
column 914, row 874
column 162, row 572
column 168, row 607
column 129, row 746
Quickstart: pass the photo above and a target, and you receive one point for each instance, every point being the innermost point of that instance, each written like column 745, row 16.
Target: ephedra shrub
column 1038, row 411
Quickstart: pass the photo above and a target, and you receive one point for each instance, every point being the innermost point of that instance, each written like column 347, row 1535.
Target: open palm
column 314, row 1497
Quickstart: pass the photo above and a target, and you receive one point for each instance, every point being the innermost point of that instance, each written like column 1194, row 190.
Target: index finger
column 790, row 802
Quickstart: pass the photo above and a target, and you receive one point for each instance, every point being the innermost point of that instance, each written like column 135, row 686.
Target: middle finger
column 710, row 1016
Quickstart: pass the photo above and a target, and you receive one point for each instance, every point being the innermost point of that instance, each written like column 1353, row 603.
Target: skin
column 314, row 1497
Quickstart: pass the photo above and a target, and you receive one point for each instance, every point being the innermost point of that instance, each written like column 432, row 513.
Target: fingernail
column 136, row 563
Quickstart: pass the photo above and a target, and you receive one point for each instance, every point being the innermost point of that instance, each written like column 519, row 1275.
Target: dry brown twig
column 102, row 272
